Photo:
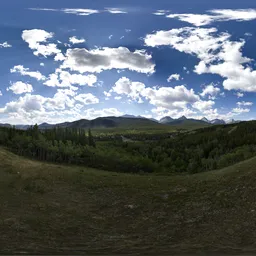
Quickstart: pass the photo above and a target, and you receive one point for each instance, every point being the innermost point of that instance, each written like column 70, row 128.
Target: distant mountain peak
column 205, row 120
column 166, row 119
column 182, row 118
column 129, row 116
column 218, row 121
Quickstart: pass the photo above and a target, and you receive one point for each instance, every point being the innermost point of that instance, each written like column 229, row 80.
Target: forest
column 195, row 151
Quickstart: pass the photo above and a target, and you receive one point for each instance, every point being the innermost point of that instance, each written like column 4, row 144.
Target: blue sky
column 66, row 60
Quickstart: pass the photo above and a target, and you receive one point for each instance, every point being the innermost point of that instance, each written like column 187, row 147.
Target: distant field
column 51, row 209
column 147, row 129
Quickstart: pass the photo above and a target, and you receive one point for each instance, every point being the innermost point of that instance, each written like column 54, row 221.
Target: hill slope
column 53, row 209
column 105, row 122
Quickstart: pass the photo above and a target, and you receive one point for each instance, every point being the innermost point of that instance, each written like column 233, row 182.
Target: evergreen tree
column 91, row 140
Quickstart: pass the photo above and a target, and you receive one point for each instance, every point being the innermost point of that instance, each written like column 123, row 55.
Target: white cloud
column 42, row 64
column 94, row 113
column 240, row 110
column 173, row 77
column 244, row 103
column 82, row 12
column 115, row 10
column 216, row 16
column 118, row 98
column 167, row 98
column 195, row 19
column 35, row 39
column 110, row 37
column 63, row 106
column 75, row 40
column 79, row 12
column 203, row 106
column 210, row 90
column 107, row 94
column 161, row 12
column 25, row 72
column 128, row 30
column 125, row 86
column 59, row 57
column 97, row 60
column 239, row 94
column 1, row 94
column 78, row 79
column 238, row 14
column 20, row 87
column 87, row 99
column 5, row 45
column 216, row 52
column 37, row 109
column 170, row 98
column 63, row 78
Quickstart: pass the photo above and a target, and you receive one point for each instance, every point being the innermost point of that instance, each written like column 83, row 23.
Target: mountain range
column 127, row 121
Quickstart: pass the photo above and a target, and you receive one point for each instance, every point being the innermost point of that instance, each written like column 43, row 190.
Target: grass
column 51, row 209
column 153, row 129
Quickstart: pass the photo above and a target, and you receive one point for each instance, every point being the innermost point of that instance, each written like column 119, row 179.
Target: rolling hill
column 105, row 122
column 84, row 211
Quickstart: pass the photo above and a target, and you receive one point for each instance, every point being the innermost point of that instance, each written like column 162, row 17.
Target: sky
column 68, row 60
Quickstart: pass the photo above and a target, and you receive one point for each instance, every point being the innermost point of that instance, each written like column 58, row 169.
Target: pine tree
column 91, row 140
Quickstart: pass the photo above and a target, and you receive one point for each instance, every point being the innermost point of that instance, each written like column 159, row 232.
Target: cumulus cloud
column 173, row 77
column 217, row 54
column 244, row 103
column 125, row 86
column 94, row 113
column 170, row 98
column 211, row 91
column 42, row 64
column 165, row 97
column 203, row 105
column 216, row 16
column 20, row 87
column 37, row 41
column 25, row 72
column 107, row 94
column 97, row 60
column 5, row 45
column 87, row 99
column 240, row 110
column 1, row 94
column 195, row 19
column 63, row 78
column 239, row 94
column 75, row 40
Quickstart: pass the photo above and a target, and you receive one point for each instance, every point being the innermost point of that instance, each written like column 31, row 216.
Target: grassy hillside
column 48, row 209
column 123, row 125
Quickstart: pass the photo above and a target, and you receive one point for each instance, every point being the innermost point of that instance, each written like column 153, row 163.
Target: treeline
column 72, row 146
column 201, row 150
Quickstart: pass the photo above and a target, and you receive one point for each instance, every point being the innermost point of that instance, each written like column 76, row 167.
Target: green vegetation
column 53, row 209
column 194, row 151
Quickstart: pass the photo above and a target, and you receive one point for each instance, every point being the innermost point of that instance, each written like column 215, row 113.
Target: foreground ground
column 57, row 209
